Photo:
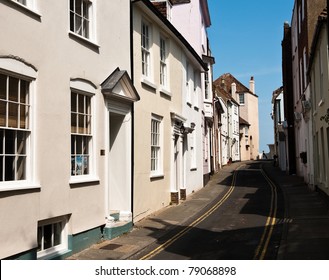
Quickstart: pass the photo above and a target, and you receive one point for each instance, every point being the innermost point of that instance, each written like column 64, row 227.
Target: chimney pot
column 252, row 84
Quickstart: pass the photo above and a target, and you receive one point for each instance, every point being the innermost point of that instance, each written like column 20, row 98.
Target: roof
column 229, row 80
column 243, row 121
column 220, row 92
column 113, row 84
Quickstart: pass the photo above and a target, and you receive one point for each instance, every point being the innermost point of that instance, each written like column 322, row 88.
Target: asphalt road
column 243, row 223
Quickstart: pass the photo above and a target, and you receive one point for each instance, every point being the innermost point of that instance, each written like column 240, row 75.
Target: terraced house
column 66, row 117
column 100, row 126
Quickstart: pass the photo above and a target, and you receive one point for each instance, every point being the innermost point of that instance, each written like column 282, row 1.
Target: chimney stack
column 252, row 85
column 233, row 89
column 223, row 85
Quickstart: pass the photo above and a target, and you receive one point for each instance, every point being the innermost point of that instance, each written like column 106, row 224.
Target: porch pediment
column 119, row 86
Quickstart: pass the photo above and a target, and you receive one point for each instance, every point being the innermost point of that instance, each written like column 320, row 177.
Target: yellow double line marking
column 270, row 222
column 195, row 223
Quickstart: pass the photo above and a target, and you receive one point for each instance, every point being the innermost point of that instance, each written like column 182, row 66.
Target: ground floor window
column 52, row 237
column 14, row 127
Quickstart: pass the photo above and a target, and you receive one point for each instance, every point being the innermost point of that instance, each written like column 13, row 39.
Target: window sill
column 157, row 176
column 148, row 83
column 27, row 9
column 83, row 40
column 18, row 186
column 83, row 179
column 165, row 92
column 54, row 255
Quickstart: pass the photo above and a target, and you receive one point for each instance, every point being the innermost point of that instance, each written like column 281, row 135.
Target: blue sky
column 245, row 38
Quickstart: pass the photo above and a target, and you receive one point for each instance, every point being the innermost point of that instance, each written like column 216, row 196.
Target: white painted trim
column 29, row 7
column 16, row 66
column 84, row 86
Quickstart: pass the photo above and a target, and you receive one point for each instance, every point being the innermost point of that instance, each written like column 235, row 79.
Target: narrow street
column 240, row 224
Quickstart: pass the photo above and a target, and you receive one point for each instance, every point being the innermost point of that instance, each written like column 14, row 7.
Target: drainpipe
column 132, row 109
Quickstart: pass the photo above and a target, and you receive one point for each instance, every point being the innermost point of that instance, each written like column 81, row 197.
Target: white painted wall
column 59, row 57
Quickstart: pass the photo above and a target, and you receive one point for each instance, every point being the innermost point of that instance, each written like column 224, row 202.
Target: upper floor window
column 14, row 127
column 145, row 47
column 163, row 62
column 81, row 17
column 241, row 98
column 188, row 83
column 206, row 85
column 81, row 136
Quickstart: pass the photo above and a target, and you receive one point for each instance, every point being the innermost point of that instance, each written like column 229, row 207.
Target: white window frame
column 87, row 15
column 188, row 83
column 196, row 87
column 53, row 250
column 164, row 81
column 27, row 4
column 206, row 86
column 84, row 90
column 241, row 98
column 193, row 151
column 146, row 49
column 11, row 67
column 156, row 157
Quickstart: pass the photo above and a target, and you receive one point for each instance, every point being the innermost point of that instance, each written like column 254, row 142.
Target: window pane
column 85, row 145
column 85, row 165
column 10, row 142
column 24, row 114
column 3, row 86
column 78, row 7
column 81, row 103
column 39, row 239
column 73, row 165
column 78, row 165
column 13, row 89
column 13, row 115
column 78, row 147
column 57, row 234
column 73, row 102
column 78, row 25
column 21, row 143
column 81, row 124
column 73, row 145
column 24, row 92
column 1, row 141
column 72, row 5
column 88, row 124
column 1, row 168
column 74, row 123
column 9, row 168
column 21, row 174
column 3, row 113
column 72, row 27
column 47, row 233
